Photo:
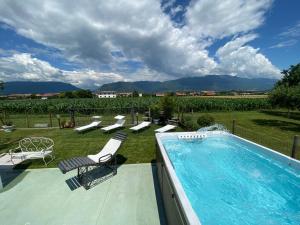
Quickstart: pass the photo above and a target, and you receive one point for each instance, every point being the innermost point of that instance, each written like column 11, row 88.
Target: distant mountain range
column 210, row 82
column 29, row 87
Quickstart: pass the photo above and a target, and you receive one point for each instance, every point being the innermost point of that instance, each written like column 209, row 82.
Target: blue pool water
column 232, row 182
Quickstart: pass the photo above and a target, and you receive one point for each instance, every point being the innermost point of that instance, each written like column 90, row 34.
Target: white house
column 106, row 94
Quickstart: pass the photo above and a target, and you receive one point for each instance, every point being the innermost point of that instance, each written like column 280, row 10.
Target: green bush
column 205, row 120
column 188, row 123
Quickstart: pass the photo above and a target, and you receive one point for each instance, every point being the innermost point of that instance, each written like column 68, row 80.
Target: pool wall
column 177, row 206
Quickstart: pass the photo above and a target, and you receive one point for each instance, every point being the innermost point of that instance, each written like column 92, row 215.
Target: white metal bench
column 33, row 148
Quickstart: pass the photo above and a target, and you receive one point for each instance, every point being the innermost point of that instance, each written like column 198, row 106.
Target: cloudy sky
column 94, row 42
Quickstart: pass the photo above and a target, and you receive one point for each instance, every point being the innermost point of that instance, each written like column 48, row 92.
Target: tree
column 135, row 94
column 1, row 85
column 76, row 94
column 167, row 106
column 286, row 92
column 83, row 94
column 291, row 77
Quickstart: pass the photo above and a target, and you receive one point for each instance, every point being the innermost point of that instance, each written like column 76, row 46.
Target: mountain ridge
column 209, row 82
column 36, row 87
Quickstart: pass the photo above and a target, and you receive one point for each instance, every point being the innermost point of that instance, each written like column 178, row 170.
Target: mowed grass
column 269, row 128
column 138, row 147
column 272, row 129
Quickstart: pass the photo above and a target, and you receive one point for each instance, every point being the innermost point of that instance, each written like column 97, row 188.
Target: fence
column 29, row 119
column 286, row 145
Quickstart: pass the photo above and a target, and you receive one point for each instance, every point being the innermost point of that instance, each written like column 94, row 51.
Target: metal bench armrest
column 11, row 151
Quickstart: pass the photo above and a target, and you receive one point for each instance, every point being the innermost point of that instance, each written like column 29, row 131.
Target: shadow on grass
column 96, row 175
column 293, row 115
column 283, row 125
column 10, row 176
column 161, row 210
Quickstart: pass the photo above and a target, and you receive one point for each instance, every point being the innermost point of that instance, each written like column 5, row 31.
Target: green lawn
column 269, row 128
column 272, row 129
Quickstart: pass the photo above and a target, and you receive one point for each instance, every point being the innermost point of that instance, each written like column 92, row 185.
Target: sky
column 92, row 42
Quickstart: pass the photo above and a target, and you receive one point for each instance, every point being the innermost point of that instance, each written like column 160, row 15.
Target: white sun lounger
column 120, row 123
column 106, row 157
column 140, row 126
column 92, row 125
column 165, row 128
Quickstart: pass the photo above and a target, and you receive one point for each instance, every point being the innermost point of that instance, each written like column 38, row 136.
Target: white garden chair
column 33, row 148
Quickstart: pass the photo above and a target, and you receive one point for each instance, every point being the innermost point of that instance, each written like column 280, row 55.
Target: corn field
column 186, row 104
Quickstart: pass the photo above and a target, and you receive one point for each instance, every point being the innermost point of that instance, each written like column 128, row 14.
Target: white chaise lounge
column 90, row 126
column 120, row 123
column 33, row 148
column 141, row 126
column 166, row 128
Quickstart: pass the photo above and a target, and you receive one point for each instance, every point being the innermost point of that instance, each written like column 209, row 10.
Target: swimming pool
column 221, row 179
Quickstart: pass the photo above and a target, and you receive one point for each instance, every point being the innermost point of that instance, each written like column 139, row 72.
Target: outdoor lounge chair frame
column 83, row 164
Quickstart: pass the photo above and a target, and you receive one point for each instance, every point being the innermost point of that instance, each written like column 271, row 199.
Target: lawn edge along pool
column 178, row 208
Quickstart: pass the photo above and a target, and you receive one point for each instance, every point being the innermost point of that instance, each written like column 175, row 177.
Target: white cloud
column 90, row 78
column 284, row 44
column 289, row 37
column 221, row 18
column 89, row 31
column 292, row 32
column 23, row 66
column 237, row 58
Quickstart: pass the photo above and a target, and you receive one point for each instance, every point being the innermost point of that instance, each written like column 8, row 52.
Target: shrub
column 205, row 120
column 188, row 123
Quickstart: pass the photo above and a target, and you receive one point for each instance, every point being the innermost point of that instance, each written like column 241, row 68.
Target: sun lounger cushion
column 165, row 128
column 89, row 126
column 141, row 126
column 108, row 150
column 118, row 124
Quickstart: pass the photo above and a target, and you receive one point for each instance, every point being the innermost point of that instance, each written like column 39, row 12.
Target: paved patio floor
column 42, row 196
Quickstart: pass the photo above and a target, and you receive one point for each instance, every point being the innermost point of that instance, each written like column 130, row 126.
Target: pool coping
column 188, row 210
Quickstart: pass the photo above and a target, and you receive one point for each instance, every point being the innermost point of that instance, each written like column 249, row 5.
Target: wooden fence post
column 233, row 126
column 4, row 115
column 132, row 115
column 50, row 119
column 27, row 121
column 296, row 142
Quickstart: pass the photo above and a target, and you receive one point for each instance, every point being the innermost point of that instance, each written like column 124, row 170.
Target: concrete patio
column 42, row 196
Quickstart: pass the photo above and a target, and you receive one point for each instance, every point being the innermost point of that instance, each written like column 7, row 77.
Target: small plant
column 205, row 120
column 7, row 123
column 188, row 123
column 62, row 123
column 68, row 124
column 4, row 118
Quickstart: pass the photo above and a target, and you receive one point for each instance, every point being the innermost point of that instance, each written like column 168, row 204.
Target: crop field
column 234, row 96
column 123, row 105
